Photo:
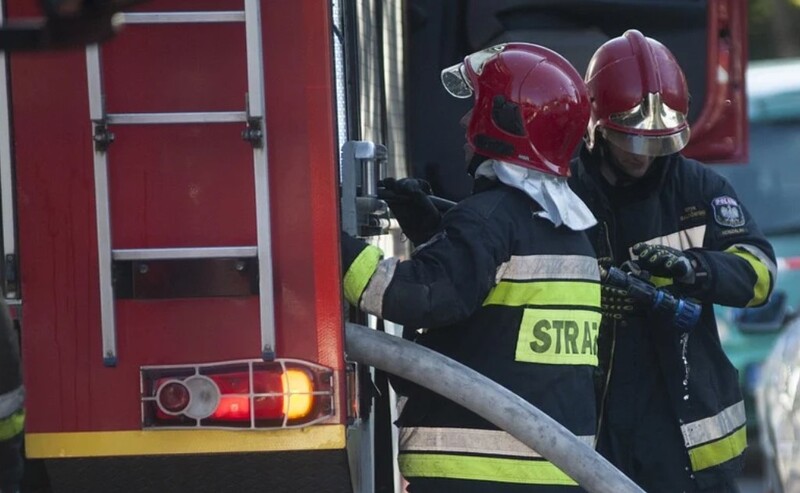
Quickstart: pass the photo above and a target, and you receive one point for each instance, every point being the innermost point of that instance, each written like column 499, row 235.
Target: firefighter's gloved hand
column 409, row 201
column 664, row 261
column 615, row 303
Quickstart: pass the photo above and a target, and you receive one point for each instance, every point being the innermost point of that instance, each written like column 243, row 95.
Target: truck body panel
column 185, row 185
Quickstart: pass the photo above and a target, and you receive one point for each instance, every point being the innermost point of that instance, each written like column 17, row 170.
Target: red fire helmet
column 639, row 96
column 531, row 106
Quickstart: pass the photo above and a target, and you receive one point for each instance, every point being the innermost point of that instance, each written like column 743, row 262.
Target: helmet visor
column 647, row 145
column 650, row 128
column 456, row 80
column 651, row 114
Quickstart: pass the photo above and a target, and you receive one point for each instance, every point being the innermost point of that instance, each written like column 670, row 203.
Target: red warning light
column 173, row 397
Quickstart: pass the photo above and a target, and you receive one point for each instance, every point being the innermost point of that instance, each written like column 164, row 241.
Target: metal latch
column 103, row 137
column 10, row 275
column 253, row 133
column 363, row 165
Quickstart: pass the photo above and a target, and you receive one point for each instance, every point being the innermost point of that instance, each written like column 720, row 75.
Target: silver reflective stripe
column 372, row 299
column 760, row 255
column 467, row 440
column 531, row 267
column 11, row 402
column 714, row 427
column 681, row 240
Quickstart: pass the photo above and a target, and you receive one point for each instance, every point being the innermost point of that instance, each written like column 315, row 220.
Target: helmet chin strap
column 477, row 160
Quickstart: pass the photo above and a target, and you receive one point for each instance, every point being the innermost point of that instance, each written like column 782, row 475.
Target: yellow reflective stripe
column 772, row 268
column 722, row 450
column 12, row 401
column 372, row 297
column 468, row 441
column 575, row 293
column 472, row 468
column 173, row 442
column 714, row 427
column 12, row 425
column 531, row 267
column 558, row 337
column 359, row 273
column 761, row 288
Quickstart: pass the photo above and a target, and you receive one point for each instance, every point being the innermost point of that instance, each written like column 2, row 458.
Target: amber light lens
column 297, row 389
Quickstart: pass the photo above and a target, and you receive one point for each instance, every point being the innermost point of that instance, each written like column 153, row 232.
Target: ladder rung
column 182, row 17
column 184, row 253
column 254, row 112
column 171, row 118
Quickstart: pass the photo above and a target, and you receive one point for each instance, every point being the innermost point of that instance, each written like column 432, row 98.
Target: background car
column 769, row 186
column 778, row 404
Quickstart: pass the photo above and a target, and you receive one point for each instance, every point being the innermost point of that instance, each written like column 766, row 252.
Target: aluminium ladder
column 252, row 116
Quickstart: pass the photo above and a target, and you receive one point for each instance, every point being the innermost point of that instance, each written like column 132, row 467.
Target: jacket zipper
column 611, row 356
column 607, row 383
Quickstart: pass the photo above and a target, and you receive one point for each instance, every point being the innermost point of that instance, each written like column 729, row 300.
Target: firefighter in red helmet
column 672, row 415
column 507, row 284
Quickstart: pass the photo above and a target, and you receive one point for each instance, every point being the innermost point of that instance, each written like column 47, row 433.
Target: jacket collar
column 590, row 178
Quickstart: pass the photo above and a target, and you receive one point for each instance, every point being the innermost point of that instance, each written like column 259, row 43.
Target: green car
column 769, row 186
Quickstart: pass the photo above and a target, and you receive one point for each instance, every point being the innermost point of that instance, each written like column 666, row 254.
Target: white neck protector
column 561, row 205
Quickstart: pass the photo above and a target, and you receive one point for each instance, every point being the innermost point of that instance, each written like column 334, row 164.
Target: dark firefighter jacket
column 508, row 294
column 685, row 205
column 12, row 414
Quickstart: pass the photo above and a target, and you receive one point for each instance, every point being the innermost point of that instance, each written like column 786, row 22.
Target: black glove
column 408, row 200
column 615, row 304
column 664, row 261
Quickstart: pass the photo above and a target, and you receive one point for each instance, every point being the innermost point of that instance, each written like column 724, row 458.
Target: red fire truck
column 171, row 208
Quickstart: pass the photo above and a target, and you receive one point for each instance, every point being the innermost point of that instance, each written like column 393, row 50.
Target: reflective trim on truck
column 169, row 442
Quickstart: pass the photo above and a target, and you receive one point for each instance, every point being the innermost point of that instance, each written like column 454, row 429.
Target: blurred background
column 762, row 343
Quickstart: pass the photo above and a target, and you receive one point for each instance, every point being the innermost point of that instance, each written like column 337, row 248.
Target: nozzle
column 682, row 313
column 687, row 315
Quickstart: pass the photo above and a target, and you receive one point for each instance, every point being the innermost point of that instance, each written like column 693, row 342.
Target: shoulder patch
column 727, row 212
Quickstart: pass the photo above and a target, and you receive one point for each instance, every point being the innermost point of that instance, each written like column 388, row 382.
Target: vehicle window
column 770, row 183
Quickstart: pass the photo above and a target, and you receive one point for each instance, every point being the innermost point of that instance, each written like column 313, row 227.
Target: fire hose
column 491, row 401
